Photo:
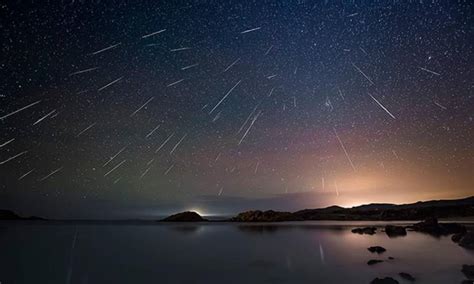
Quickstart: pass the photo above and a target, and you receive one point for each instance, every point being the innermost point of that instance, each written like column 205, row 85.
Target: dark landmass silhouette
column 429, row 212
column 10, row 215
column 454, row 208
column 188, row 216
column 371, row 212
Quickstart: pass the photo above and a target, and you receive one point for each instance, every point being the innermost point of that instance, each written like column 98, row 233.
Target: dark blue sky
column 122, row 108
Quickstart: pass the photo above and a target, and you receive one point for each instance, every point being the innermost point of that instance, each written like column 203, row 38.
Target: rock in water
column 432, row 227
column 377, row 249
column 453, row 228
column 374, row 261
column 407, row 276
column 395, row 231
column 386, row 280
column 468, row 270
column 457, row 237
column 187, row 216
column 365, row 230
column 467, row 240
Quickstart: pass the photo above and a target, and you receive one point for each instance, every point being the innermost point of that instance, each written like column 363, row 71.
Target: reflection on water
column 186, row 228
column 274, row 227
column 308, row 252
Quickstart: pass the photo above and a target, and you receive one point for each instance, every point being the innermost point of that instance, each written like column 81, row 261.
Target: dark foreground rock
column 467, row 240
column 467, row 281
column 386, row 280
column 395, row 231
column 407, row 276
column 377, row 249
column 468, row 270
column 187, row 216
column 457, row 237
column 374, row 261
column 432, row 227
column 365, row 230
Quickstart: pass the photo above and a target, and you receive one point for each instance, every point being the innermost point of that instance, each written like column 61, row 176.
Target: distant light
column 198, row 211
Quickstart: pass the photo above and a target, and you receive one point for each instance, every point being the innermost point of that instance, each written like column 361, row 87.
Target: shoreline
column 455, row 210
column 376, row 223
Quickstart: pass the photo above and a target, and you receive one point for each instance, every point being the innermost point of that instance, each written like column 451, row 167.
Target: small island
column 188, row 216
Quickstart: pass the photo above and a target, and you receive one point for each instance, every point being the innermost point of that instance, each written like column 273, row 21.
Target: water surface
column 139, row 252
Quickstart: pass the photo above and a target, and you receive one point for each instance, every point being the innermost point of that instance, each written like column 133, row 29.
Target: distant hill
column 10, row 215
column 455, row 208
column 188, row 216
column 371, row 212
column 378, row 206
column 431, row 203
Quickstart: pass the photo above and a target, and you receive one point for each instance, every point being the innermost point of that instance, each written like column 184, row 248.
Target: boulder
column 432, row 227
column 468, row 271
column 187, row 216
column 386, row 280
column 457, row 237
column 453, row 228
column 364, row 230
column 377, row 249
column 374, row 261
column 395, row 231
column 407, row 276
column 467, row 240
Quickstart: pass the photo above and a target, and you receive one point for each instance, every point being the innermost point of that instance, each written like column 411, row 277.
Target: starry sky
column 142, row 108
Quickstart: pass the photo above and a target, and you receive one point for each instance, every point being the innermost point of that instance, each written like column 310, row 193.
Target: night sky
column 142, row 108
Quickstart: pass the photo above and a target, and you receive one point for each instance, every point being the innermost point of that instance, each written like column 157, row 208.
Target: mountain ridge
column 420, row 210
column 443, row 208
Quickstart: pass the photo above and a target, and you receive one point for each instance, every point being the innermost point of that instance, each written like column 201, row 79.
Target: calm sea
column 146, row 252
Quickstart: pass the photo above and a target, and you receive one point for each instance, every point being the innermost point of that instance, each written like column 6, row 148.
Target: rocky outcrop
column 467, row 240
column 364, row 230
column 376, row 249
column 187, row 216
column 264, row 216
column 395, row 231
column 386, row 280
column 457, row 237
column 432, row 227
column 407, row 276
column 371, row 212
column 468, row 271
column 374, row 261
